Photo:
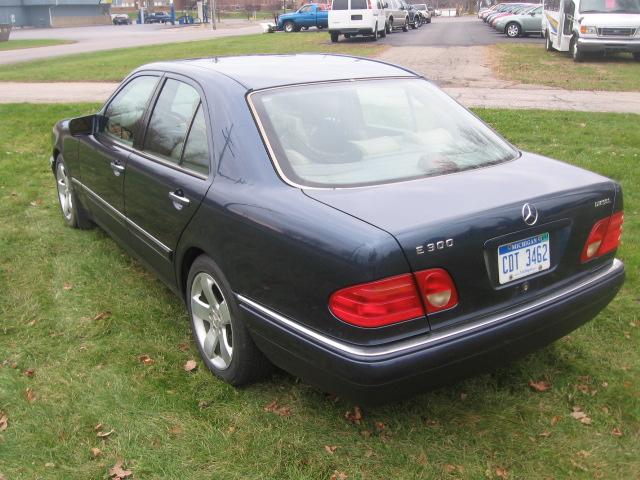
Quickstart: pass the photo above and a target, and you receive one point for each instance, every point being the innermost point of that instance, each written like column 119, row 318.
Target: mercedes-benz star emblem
column 529, row 214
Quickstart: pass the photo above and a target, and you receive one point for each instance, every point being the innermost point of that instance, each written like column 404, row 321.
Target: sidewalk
column 531, row 98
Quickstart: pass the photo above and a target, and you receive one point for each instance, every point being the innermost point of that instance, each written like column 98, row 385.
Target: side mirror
column 85, row 125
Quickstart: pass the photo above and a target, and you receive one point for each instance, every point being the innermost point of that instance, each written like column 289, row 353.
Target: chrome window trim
column 165, row 249
column 402, row 346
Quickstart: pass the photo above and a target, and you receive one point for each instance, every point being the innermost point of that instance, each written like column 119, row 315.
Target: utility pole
column 212, row 13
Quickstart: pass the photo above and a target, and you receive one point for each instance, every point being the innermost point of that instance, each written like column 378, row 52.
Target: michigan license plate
column 524, row 257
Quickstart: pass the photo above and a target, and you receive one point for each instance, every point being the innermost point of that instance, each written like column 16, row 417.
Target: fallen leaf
column 67, row 286
column 4, row 421
column 450, row 468
column 49, row 464
column 183, row 347
column 578, row 414
column 97, row 427
column 540, row 386
column 502, row 472
column 616, row 432
column 545, row 434
column 96, row 452
column 583, row 453
column 117, row 472
column 102, row 315
column 146, row 359
column 281, row 410
column 37, row 202
column 190, row 366
column 583, row 388
column 330, row 448
column 176, row 429
column 380, row 426
column 105, row 434
column 202, row 404
column 463, row 396
column 338, row 475
column 354, row 416
column 604, row 384
column 30, row 372
column 31, row 397
column 555, row 419
column 231, row 429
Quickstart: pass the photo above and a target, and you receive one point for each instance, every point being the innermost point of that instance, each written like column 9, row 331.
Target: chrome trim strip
column 429, row 338
column 119, row 214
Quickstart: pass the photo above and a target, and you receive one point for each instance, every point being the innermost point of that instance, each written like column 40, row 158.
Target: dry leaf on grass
column 102, row 315
column 502, row 472
column 190, row 366
column 354, row 416
column 545, row 434
column 281, row 410
column 31, row 397
column 616, row 432
column 338, row 475
column 36, row 203
column 67, row 287
column 118, row 473
column 183, row 347
column 540, row 386
column 578, row 414
column 146, row 359
column 29, row 372
column 176, row 429
column 49, row 464
column 555, row 419
column 98, row 427
column 96, row 452
column 4, row 421
column 105, row 434
column 330, row 448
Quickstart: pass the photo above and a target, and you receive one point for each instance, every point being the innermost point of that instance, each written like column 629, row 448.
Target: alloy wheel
column 64, row 191
column 513, row 30
column 211, row 320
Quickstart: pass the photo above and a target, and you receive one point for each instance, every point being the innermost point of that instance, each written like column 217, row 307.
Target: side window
column 127, row 108
column 196, row 150
column 170, row 120
column 305, row 9
column 340, row 5
column 358, row 4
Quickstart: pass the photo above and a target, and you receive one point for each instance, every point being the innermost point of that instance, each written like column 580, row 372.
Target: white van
column 583, row 26
column 357, row 17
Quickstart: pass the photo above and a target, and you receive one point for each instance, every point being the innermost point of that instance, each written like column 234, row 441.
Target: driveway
column 107, row 37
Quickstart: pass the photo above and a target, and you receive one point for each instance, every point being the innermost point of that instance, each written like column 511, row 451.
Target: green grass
column 531, row 64
column 114, row 65
column 16, row 44
column 87, row 371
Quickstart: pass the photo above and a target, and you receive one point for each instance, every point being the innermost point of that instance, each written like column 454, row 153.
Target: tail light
column 603, row 238
column 394, row 299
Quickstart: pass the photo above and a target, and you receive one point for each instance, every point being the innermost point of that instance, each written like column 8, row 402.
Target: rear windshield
column 340, row 5
column 371, row 132
column 358, row 4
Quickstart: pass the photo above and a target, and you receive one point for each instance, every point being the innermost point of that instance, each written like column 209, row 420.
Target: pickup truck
column 157, row 17
column 310, row 15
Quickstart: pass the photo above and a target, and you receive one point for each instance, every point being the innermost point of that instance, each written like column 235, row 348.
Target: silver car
column 397, row 16
column 525, row 23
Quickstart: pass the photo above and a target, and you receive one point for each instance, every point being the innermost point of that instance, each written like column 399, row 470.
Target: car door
column 169, row 173
column 307, row 16
column 533, row 21
column 103, row 156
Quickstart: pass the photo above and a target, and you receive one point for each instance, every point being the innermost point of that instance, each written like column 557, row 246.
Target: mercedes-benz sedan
column 341, row 218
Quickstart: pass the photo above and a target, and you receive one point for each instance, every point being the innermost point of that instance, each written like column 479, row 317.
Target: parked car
column 425, row 11
column 525, row 23
column 516, row 10
column 310, row 15
column 120, row 19
column 415, row 16
column 157, row 17
column 397, row 16
column 357, row 17
column 345, row 220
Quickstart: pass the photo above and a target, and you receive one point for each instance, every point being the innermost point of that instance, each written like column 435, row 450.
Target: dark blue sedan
column 341, row 218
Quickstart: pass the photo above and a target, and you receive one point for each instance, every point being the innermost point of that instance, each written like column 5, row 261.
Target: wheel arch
column 184, row 265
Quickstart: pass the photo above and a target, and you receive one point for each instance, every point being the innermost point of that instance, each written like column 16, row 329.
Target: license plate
column 524, row 257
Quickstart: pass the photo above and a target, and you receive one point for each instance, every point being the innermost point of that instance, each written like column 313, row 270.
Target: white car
column 357, row 17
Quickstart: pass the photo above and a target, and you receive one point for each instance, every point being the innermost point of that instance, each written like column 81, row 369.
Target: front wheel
column 73, row 214
column 513, row 30
column 548, row 46
column 224, row 343
column 289, row 27
column 576, row 53
column 374, row 35
column 334, row 37
column 383, row 32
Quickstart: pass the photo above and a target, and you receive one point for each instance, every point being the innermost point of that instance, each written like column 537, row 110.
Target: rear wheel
column 289, row 27
column 513, row 30
column 405, row 27
column 224, row 343
column 334, row 37
column 383, row 32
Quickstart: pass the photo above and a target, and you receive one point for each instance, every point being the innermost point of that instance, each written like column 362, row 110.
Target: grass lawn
column 114, row 65
column 16, row 44
column 81, row 367
column 532, row 64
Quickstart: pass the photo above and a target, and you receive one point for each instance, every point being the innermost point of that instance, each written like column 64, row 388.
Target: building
column 54, row 13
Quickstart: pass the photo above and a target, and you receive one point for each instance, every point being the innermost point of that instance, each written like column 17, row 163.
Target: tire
column 513, row 30
column 222, row 338
column 374, row 35
column 72, row 212
column 304, row 28
column 390, row 25
column 289, row 27
column 548, row 46
column 576, row 54
column 405, row 27
column 429, row 20
column 383, row 32
column 320, row 27
column 334, row 36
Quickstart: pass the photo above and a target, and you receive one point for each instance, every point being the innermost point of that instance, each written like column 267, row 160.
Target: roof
column 264, row 71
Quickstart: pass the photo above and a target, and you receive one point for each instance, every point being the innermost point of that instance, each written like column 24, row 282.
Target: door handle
column 179, row 200
column 117, row 168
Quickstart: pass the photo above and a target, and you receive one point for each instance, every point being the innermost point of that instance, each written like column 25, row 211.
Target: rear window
column 358, row 4
column 372, row 132
column 340, row 5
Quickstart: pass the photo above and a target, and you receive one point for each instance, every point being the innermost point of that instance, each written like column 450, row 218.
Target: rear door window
column 196, row 150
column 358, row 4
column 340, row 5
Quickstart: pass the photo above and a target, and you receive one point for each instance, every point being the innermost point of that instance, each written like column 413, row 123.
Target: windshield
column 610, row 6
column 369, row 132
column 420, row 7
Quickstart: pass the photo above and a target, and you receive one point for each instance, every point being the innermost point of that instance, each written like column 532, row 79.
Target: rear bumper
column 606, row 45
column 374, row 374
column 352, row 31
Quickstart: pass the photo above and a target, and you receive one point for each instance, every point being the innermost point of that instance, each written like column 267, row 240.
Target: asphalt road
column 453, row 31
